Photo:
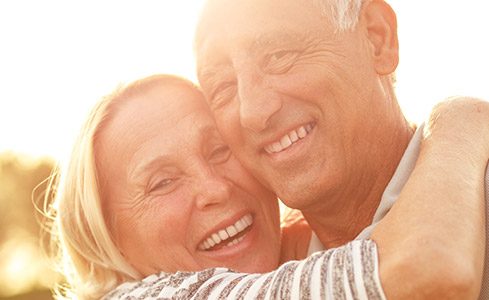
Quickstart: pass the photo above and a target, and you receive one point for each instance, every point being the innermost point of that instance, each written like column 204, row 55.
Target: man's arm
column 432, row 242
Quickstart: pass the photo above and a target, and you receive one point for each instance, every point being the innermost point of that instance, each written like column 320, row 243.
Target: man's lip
column 225, row 230
column 289, row 138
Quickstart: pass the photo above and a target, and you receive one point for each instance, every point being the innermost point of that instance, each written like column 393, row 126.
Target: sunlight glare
column 20, row 263
column 58, row 57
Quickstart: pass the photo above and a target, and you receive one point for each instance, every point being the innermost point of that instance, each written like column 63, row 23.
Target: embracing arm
column 431, row 244
column 347, row 272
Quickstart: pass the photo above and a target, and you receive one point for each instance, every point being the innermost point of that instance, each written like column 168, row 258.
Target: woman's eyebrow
column 146, row 166
column 209, row 72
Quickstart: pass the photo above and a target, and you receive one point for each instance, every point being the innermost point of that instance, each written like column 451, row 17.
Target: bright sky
column 58, row 57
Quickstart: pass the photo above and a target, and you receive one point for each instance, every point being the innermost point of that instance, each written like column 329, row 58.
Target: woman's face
column 175, row 197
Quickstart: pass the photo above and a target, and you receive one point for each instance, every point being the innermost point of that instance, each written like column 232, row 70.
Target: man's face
column 294, row 100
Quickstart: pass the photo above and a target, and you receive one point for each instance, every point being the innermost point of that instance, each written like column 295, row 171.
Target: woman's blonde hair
column 80, row 237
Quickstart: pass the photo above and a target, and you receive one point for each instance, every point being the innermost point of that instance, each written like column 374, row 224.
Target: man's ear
column 381, row 25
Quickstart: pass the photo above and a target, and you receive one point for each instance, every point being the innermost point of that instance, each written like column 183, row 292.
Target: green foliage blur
column 24, row 271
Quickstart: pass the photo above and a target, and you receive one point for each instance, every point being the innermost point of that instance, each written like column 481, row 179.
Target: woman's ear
column 381, row 25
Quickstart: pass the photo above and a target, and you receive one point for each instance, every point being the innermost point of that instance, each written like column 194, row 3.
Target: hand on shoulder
column 460, row 124
column 296, row 235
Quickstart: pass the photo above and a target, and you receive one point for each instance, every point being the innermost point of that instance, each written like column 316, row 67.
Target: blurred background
column 57, row 58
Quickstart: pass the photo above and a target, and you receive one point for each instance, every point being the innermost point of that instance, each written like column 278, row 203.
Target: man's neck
column 353, row 209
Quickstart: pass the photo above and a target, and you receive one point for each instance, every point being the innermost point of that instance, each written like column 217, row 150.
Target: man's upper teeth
column 228, row 232
column 290, row 138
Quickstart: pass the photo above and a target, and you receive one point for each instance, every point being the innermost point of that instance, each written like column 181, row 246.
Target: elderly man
column 303, row 93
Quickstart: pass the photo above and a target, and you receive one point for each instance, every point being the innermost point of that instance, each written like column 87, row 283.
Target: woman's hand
column 460, row 124
column 432, row 242
column 296, row 235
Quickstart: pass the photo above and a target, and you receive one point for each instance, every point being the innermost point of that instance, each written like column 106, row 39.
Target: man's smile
column 289, row 139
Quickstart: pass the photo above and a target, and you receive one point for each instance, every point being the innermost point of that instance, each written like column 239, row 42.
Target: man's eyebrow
column 267, row 40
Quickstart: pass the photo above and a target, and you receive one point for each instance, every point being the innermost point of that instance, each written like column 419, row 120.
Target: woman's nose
column 213, row 189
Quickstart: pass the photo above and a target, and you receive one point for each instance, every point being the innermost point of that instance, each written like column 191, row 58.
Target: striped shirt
column 347, row 272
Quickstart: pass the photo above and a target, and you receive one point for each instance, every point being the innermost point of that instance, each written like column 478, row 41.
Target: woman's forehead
column 165, row 104
column 165, row 113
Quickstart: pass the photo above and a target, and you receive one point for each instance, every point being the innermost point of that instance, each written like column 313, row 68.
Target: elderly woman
column 151, row 190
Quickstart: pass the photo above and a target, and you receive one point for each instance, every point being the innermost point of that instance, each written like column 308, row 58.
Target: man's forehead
column 238, row 17
column 262, row 26
column 254, row 45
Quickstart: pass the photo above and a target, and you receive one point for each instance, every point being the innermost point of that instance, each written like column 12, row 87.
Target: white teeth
column 240, row 225
column 216, row 238
column 293, row 136
column 235, row 241
column 285, row 141
column 277, row 147
column 232, row 231
column 225, row 234
column 289, row 139
column 301, row 132
column 248, row 219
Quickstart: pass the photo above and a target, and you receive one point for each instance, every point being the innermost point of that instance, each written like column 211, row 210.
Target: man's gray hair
column 345, row 13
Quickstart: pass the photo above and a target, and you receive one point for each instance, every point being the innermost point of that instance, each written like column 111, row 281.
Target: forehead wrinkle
column 266, row 40
column 283, row 38
column 275, row 38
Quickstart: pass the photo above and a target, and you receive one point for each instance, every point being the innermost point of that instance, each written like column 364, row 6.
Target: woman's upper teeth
column 290, row 138
column 226, row 233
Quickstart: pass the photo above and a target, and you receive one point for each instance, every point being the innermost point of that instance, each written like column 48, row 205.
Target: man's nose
column 258, row 103
column 212, row 189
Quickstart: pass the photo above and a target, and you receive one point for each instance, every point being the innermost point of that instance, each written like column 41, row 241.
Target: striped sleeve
column 347, row 272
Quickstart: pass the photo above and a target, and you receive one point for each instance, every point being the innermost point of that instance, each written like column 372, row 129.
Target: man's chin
column 296, row 200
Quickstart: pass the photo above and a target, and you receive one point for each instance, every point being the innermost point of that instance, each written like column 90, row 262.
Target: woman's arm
column 431, row 244
column 347, row 272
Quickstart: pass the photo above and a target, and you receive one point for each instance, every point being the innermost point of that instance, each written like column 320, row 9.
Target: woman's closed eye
column 164, row 185
column 222, row 94
column 219, row 154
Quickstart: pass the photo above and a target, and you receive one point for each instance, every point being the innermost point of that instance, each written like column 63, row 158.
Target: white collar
column 391, row 192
